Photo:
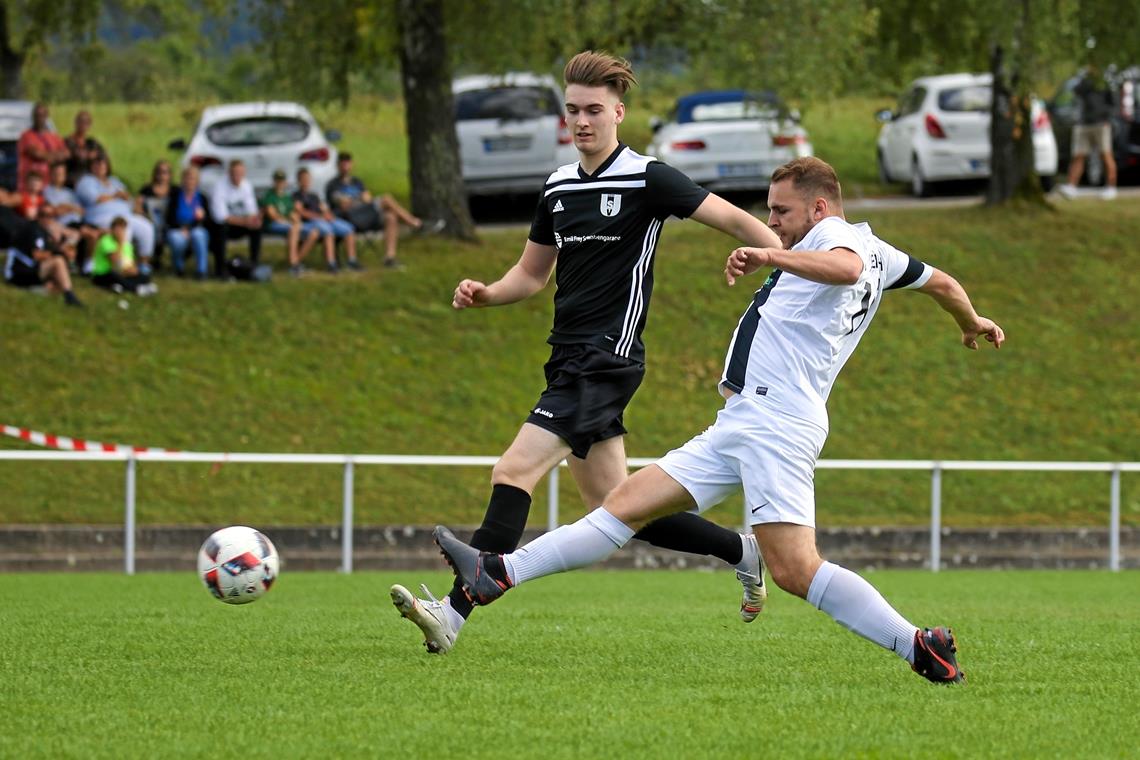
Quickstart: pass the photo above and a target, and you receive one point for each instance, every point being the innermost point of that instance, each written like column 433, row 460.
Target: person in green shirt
column 282, row 219
column 113, row 263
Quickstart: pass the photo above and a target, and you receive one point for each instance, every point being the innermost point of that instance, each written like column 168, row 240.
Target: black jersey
column 605, row 227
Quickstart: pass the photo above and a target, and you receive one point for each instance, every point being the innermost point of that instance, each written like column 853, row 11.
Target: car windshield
column 506, row 103
column 973, row 98
column 736, row 110
column 261, row 130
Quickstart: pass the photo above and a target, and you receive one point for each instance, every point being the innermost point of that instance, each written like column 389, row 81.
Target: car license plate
column 979, row 165
column 739, row 170
column 506, row 143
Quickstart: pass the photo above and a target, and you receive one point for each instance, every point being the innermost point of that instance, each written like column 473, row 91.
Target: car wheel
column 884, row 173
column 919, row 186
column 1048, row 182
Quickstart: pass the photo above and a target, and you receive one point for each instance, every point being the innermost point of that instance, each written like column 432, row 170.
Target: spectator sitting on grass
column 349, row 200
column 68, row 212
column 235, row 214
column 316, row 215
column 113, row 264
column 38, row 147
column 32, row 262
column 82, row 149
column 106, row 198
column 281, row 218
column 35, row 208
column 151, row 203
column 185, row 225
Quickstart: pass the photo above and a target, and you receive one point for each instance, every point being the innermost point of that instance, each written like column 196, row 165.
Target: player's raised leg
column 604, row 469
column 531, row 455
column 796, row 567
column 646, row 495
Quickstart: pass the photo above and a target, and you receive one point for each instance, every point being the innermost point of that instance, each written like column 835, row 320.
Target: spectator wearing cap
column 315, row 214
column 32, row 262
column 234, row 214
column 351, row 201
column 82, row 149
column 38, row 147
column 186, row 225
column 281, row 218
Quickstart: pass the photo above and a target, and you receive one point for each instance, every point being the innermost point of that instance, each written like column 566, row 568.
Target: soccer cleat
column 431, row 617
column 752, row 604
column 934, row 657
column 482, row 574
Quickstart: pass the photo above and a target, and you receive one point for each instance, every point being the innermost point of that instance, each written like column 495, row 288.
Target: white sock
column 591, row 539
column 857, row 606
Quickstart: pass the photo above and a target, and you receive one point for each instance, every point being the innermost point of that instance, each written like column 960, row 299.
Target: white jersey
column 797, row 334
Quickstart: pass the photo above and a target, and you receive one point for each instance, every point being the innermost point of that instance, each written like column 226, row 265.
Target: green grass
column 620, row 664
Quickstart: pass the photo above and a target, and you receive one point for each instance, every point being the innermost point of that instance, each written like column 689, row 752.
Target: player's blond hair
column 597, row 68
column 812, row 177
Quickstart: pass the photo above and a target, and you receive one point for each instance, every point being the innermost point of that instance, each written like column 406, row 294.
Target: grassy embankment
column 380, row 363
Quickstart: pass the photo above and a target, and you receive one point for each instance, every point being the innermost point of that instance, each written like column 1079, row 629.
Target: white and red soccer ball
column 238, row 564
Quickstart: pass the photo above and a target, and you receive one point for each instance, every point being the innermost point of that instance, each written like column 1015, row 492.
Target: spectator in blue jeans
column 315, row 214
column 186, row 225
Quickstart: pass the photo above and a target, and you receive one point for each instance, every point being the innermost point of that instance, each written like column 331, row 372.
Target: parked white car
column 729, row 139
column 267, row 137
column 941, row 131
column 512, row 132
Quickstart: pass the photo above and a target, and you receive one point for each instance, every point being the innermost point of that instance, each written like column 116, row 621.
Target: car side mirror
column 655, row 123
column 176, row 144
column 885, row 115
column 333, row 135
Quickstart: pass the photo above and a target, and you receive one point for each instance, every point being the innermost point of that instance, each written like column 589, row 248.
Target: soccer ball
column 238, row 564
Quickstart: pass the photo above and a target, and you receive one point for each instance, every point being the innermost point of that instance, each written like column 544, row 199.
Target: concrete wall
column 100, row 547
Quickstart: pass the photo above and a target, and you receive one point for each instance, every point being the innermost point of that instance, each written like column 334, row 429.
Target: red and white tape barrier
column 64, row 443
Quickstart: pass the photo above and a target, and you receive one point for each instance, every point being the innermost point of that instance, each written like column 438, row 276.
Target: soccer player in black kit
column 600, row 220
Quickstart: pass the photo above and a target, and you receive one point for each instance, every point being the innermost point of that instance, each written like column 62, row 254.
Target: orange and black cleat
column 934, row 656
column 482, row 574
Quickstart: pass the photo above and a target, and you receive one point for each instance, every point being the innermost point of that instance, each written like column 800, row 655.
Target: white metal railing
column 349, row 462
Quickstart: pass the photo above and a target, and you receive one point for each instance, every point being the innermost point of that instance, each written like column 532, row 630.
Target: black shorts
column 587, row 390
column 24, row 276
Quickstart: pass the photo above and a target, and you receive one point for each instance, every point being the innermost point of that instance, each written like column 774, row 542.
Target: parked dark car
column 15, row 117
column 1064, row 109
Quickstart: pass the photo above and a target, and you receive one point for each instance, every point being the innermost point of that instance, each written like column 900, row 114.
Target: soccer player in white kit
column 800, row 329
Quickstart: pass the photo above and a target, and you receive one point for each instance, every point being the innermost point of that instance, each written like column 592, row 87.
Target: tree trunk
column 11, row 61
column 1012, row 171
column 433, row 149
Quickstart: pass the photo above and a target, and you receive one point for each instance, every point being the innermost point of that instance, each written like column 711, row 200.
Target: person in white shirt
column 235, row 214
column 787, row 349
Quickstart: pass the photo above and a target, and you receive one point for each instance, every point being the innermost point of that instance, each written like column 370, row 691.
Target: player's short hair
column 812, row 177
column 597, row 68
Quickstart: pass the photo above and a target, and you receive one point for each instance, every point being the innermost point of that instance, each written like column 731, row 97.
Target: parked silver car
column 512, row 132
column 266, row 136
column 729, row 139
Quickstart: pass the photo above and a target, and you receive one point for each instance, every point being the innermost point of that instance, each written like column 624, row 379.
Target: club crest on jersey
column 611, row 204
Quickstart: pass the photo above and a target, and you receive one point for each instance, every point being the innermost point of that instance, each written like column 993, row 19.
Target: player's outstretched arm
column 951, row 296
column 719, row 214
column 838, row 266
column 523, row 280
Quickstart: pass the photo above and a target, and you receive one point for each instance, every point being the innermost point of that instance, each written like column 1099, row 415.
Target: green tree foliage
column 26, row 25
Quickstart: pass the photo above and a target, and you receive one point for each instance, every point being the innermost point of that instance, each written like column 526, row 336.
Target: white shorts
column 771, row 455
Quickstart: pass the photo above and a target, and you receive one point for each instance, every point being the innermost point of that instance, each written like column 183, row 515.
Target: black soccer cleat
column 482, row 574
column 934, row 656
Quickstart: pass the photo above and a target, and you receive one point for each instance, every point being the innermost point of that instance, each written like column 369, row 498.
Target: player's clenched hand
column 745, row 261
column 987, row 327
column 469, row 293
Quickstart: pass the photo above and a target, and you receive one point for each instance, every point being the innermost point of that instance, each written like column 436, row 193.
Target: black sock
column 687, row 532
column 500, row 533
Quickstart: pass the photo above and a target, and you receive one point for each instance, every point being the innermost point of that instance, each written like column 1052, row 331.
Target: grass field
column 380, row 363
column 617, row 664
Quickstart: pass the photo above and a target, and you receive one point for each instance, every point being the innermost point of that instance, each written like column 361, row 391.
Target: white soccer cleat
column 752, row 579
column 431, row 617
column 1108, row 194
column 1067, row 191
